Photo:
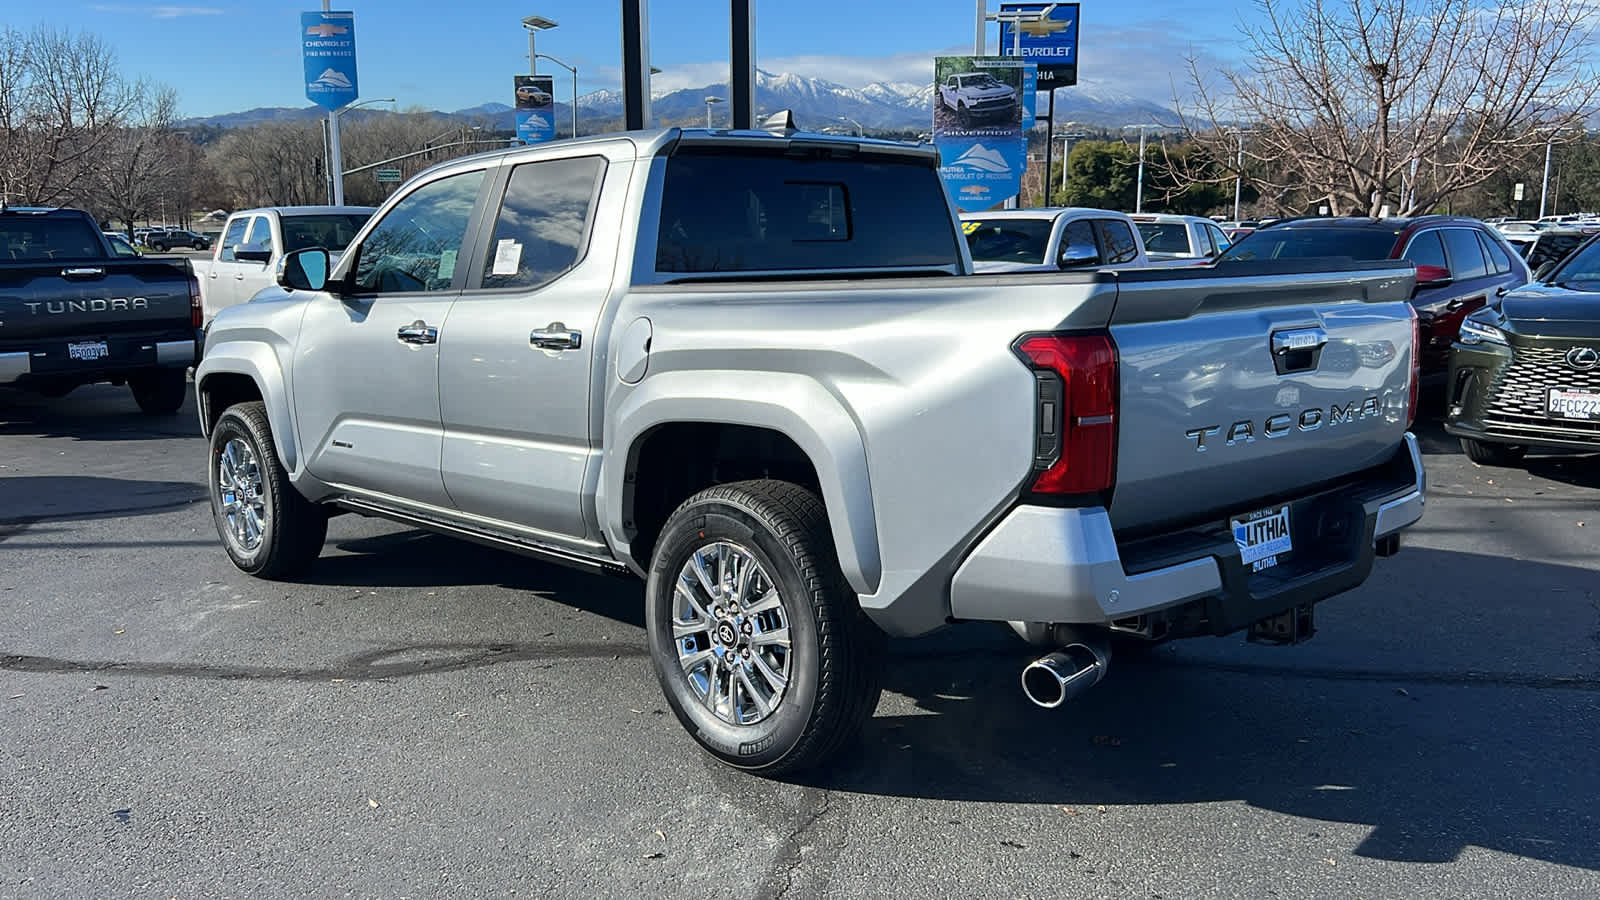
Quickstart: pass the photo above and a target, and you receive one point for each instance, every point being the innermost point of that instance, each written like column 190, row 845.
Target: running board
column 543, row 552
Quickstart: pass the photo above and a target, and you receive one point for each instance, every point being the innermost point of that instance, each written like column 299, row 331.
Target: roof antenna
column 782, row 120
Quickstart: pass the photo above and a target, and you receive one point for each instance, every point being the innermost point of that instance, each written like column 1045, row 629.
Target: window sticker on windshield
column 447, row 265
column 507, row 257
column 970, row 227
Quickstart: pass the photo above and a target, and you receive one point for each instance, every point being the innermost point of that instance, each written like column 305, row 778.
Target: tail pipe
column 1066, row 674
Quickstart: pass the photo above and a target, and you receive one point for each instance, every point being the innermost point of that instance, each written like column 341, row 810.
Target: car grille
column 1517, row 397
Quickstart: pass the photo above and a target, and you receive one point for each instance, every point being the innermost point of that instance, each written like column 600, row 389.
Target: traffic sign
column 1050, row 42
column 387, row 175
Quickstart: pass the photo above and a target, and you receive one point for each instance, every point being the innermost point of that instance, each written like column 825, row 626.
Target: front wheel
column 1491, row 454
column 159, row 392
column 762, row 651
column 266, row 526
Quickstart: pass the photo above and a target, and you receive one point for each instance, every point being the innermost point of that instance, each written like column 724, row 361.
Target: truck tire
column 267, row 527
column 963, row 118
column 746, row 571
column 1486, row 453
column 159, row 392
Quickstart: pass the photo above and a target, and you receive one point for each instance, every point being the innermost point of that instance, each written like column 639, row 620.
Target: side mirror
column 1543, row 270
column 252, row 253
column 305, row 270
column 1433, row 276
column 1074, row 255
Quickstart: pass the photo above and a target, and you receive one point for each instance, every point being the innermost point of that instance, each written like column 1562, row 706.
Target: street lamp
column 1066, row 149
column 534, row 25
column 574, row 71
column 333, row 163
column 709, row 102
column 859, row 131
column 1544, row 188
column 1138, row 191
column 1238, row 167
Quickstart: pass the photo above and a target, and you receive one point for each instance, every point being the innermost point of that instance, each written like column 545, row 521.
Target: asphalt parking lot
column 420, row 717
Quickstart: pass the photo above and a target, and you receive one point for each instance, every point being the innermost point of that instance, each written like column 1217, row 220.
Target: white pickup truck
column 254, row 241
column 754, row 370
column 1064, row 238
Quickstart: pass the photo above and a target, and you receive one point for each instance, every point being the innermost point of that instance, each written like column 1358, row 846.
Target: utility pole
column 335, row 157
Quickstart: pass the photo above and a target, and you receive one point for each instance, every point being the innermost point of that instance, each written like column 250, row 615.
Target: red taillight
column 197, row 312
column 1416, row 368
column 1075, row 441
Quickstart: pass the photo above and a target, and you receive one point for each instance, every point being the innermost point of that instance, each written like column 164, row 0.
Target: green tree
column 1100, row 174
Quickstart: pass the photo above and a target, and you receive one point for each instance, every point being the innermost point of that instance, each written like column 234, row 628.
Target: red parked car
column 1462, row 264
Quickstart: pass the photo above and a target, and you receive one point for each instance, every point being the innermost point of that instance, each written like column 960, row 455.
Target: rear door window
column 1466, row 254
column 543, row 225
column 748, row 211
column 1427, row 250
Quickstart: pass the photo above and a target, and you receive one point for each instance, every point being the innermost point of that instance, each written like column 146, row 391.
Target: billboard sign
column 536, row 107
column 978, row 104
column 328, row 43
column 1050, row 42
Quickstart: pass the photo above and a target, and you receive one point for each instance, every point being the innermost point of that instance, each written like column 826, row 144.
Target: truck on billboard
column 979, row 105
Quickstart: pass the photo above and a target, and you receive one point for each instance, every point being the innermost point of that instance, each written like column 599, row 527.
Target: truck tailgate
column 1238, row 390
column 93, row 298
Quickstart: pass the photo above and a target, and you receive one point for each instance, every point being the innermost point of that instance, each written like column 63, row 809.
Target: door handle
column 1463, row 301
column 238, row 276
column 1501, row 291
column 211, row 274
column 418, row 332
column 84, row 272
column 555, row 336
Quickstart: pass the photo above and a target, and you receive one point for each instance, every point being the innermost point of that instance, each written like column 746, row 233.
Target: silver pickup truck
column 754, row 369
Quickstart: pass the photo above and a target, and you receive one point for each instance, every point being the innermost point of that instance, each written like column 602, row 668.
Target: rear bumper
column 1047, row 564
column 52, row 363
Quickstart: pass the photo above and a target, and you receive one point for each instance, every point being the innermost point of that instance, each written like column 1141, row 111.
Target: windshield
column 1008, row 240
column 980, row 81
column 1165, row 237
column 1300, row 243
column 1581, row 271
column 333, row 231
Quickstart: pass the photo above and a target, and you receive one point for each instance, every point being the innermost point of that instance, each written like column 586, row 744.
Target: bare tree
column 62, row 98
column 1363, row 104
column 143, row 166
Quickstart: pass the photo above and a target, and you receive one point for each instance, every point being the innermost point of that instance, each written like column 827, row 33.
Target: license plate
column 1574, row 404
column 1262, row 537
column 88, row 350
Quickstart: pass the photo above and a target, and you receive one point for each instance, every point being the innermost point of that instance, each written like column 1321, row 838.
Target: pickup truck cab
column 1024, row 240
column 754, row 369
column 254, row 241
column 74, row 312
column 1179, row 239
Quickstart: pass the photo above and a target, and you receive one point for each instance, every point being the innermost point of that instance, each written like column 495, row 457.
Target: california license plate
column 88, row 350
column 1574, row 404
column 1262, row 537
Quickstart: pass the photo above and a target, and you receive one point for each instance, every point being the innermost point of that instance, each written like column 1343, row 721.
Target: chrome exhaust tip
column 1066, row 674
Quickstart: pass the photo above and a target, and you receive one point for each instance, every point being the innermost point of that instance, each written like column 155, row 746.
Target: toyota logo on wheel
column 1583, row 358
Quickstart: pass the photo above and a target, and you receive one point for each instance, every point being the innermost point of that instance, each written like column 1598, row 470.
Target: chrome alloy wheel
column 239, row 486
column 731, row 632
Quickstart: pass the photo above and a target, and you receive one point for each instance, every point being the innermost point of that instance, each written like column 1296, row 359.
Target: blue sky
column 225, row 56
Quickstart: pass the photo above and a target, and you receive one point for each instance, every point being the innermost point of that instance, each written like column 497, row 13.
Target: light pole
column 1138, row 190
column 1238, row 167
column 1066, row 149
column 574, row 71
column 709, row 102
column 1544, row 187
column 332, row 162
column 534, row 25
column 859, row 131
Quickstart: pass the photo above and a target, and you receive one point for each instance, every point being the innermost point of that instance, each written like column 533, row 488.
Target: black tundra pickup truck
column 72, row 312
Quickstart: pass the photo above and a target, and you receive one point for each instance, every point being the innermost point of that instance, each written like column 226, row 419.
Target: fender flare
column 257, row 362
column 793, row 405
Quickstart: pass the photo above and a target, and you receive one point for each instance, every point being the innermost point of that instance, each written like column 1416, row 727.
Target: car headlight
column 1474, row 332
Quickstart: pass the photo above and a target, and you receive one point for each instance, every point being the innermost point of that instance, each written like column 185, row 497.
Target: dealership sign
column 1049, row 40
column 979, row 106
column 328, row 44
column 535, row 103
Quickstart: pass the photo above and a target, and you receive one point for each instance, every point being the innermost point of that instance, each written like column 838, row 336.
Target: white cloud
column 158, row 12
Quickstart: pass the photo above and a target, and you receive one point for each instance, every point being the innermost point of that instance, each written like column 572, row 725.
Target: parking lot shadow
column 422, row 559
column 1432, row 761
column 32, row 498
column 99, row 412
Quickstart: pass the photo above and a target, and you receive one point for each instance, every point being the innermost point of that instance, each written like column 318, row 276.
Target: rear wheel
column 159, row 392
column 266, row 526
column 1492, row 454
column 762, row 651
